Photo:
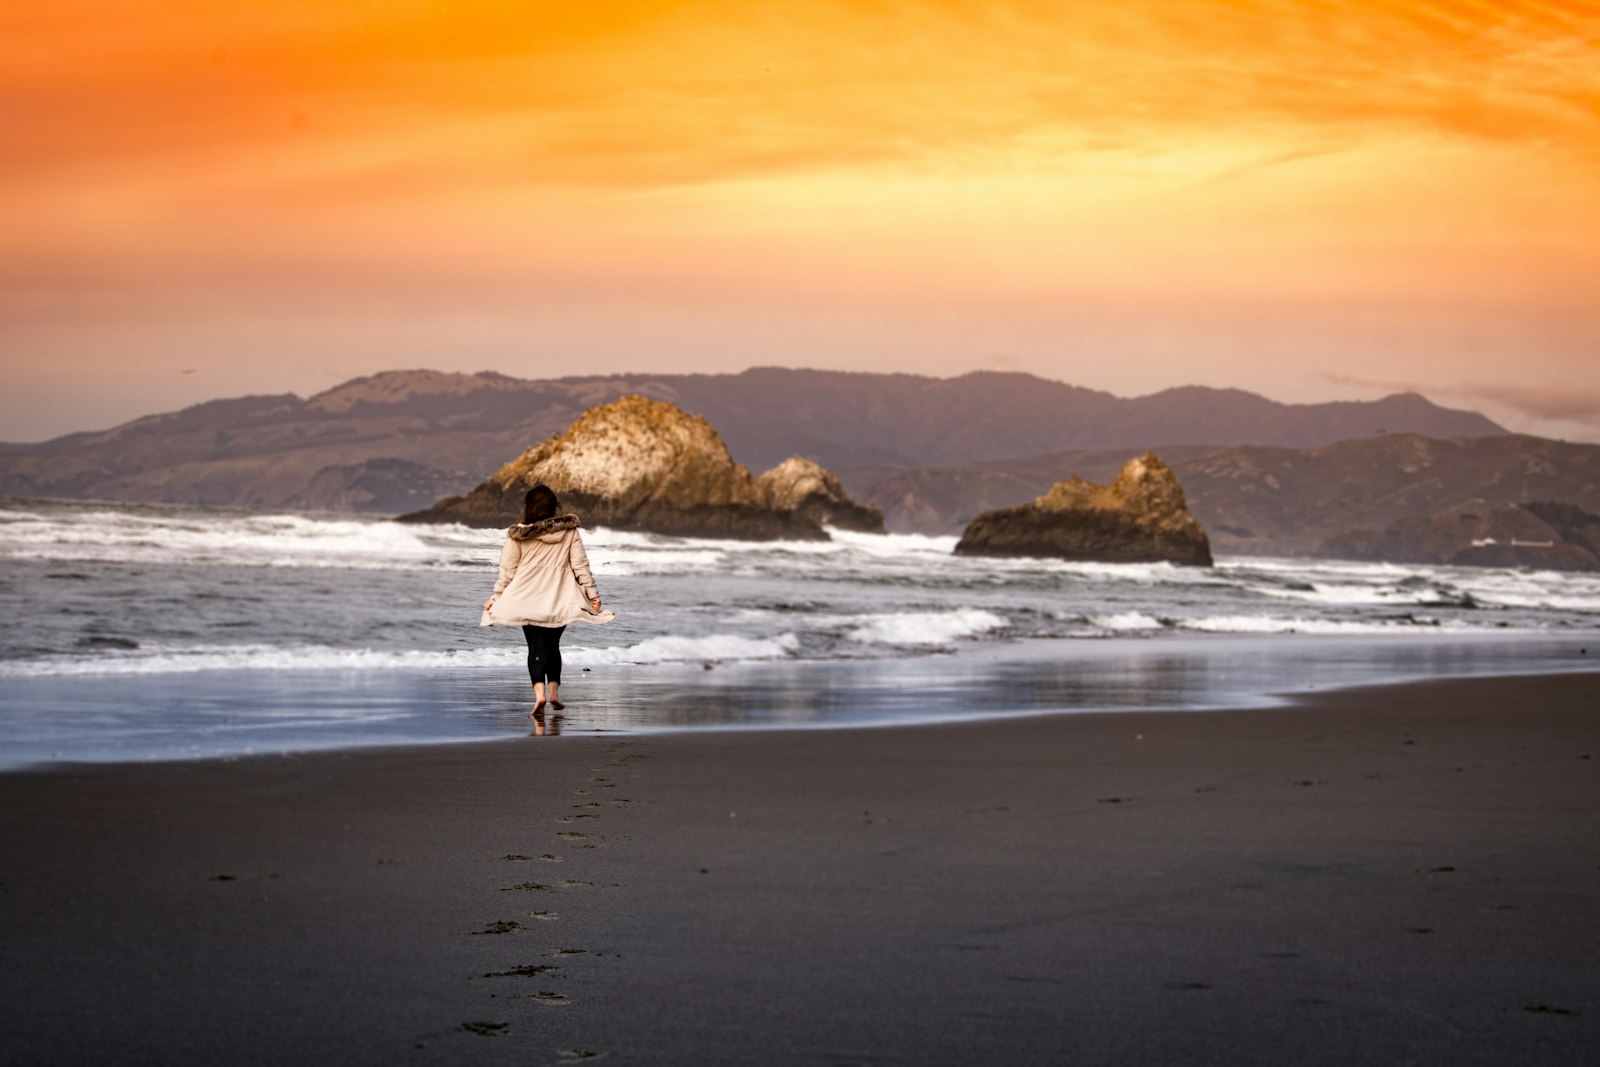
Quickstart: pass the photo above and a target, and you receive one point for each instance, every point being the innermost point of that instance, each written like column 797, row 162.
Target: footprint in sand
column 572, row 835
column 502, row 926
column 544, row 916
column 573, row 1055
column 566, row 952
column 545, row 996
column 485, row 1027
column 524, row 887
column 526, row 970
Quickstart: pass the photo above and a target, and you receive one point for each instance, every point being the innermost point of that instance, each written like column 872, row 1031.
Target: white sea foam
column 892, row 545
column 1266, row 624
column 236, row 539
column 925, row 628
column 171, row 660
column 1126, row 622
column 713, row 648
column 1363, row 595
column 158, row 659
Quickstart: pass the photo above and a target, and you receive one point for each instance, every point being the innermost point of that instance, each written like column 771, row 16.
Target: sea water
column 145, row 632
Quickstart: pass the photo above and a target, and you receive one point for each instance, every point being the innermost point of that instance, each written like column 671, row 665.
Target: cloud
column 1540, row 402
column 643, row 94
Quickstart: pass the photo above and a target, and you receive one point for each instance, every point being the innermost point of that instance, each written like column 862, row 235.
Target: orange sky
column 1314, row 199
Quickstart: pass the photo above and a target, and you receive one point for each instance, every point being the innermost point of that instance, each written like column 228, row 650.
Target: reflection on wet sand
column 1033, row 678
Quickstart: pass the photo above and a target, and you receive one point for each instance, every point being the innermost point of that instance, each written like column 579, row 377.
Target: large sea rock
column 811, row 491
column 641, row 464
column 1140, row 518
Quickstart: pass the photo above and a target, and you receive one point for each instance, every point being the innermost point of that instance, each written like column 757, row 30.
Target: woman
column 544, row 584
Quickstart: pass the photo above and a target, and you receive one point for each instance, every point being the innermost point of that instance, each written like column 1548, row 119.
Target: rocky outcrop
column 811, row 491
column 1542, row 536
column 640, row 464
column 1140, row 518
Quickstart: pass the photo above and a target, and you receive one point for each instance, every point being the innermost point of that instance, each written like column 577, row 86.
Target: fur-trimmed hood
column 549, row 529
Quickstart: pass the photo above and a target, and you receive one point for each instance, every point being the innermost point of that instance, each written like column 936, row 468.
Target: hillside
column 1264, row 500
column 397, row 441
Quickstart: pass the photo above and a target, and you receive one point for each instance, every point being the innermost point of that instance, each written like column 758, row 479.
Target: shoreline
column 241, row 714
column 1374, row 875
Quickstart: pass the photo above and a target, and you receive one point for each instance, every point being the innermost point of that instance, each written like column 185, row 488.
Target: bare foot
column 538, row 710
column 557, row 705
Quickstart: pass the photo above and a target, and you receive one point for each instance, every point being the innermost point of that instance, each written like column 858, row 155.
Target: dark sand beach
column 1398, row 875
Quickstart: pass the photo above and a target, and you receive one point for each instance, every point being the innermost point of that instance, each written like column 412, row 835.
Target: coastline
column 241, row 713
column 1405, row 873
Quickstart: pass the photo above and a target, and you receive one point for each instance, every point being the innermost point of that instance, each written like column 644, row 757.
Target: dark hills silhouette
column 395, row 441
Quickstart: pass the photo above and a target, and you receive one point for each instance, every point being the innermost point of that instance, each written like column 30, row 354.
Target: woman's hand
column 595, row 604
column 487, row 604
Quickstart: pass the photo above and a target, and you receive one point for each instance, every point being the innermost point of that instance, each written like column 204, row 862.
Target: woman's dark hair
column 539, row 503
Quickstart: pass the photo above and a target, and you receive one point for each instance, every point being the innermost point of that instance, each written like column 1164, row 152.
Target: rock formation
column 1543, row 536
column 809, row 490
column 1141, row 518
column 641, row 464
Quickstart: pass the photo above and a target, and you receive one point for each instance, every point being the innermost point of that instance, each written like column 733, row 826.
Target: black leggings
column 544, row 653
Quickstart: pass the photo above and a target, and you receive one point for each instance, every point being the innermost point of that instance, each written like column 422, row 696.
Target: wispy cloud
column 642, row 93
column 1541, row 402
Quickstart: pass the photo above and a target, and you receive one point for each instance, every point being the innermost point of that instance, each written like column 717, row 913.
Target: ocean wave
column 195, row 658
column 156, row 659
column 236, row 540
column 712, row 648
column 1266, row 624
column 1126, row 622
column 892, row 544
column 925, row 628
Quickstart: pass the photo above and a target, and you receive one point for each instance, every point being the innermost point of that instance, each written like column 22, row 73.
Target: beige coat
column 544, row 577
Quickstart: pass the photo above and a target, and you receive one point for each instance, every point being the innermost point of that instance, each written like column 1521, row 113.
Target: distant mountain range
column 400, row 440
column 1266, row 500
column 1264, row 477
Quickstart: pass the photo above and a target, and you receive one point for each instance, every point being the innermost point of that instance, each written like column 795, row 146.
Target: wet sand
column 1398, row 875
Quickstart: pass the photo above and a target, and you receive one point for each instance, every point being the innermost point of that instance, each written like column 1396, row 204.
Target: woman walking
column 544, row 584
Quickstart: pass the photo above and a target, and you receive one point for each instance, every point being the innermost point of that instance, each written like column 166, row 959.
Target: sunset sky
column 1312, row 199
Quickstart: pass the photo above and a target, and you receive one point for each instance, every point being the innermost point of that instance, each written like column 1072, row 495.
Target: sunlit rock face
column 1140, row 518
column 635, row 464
column 811, row 491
